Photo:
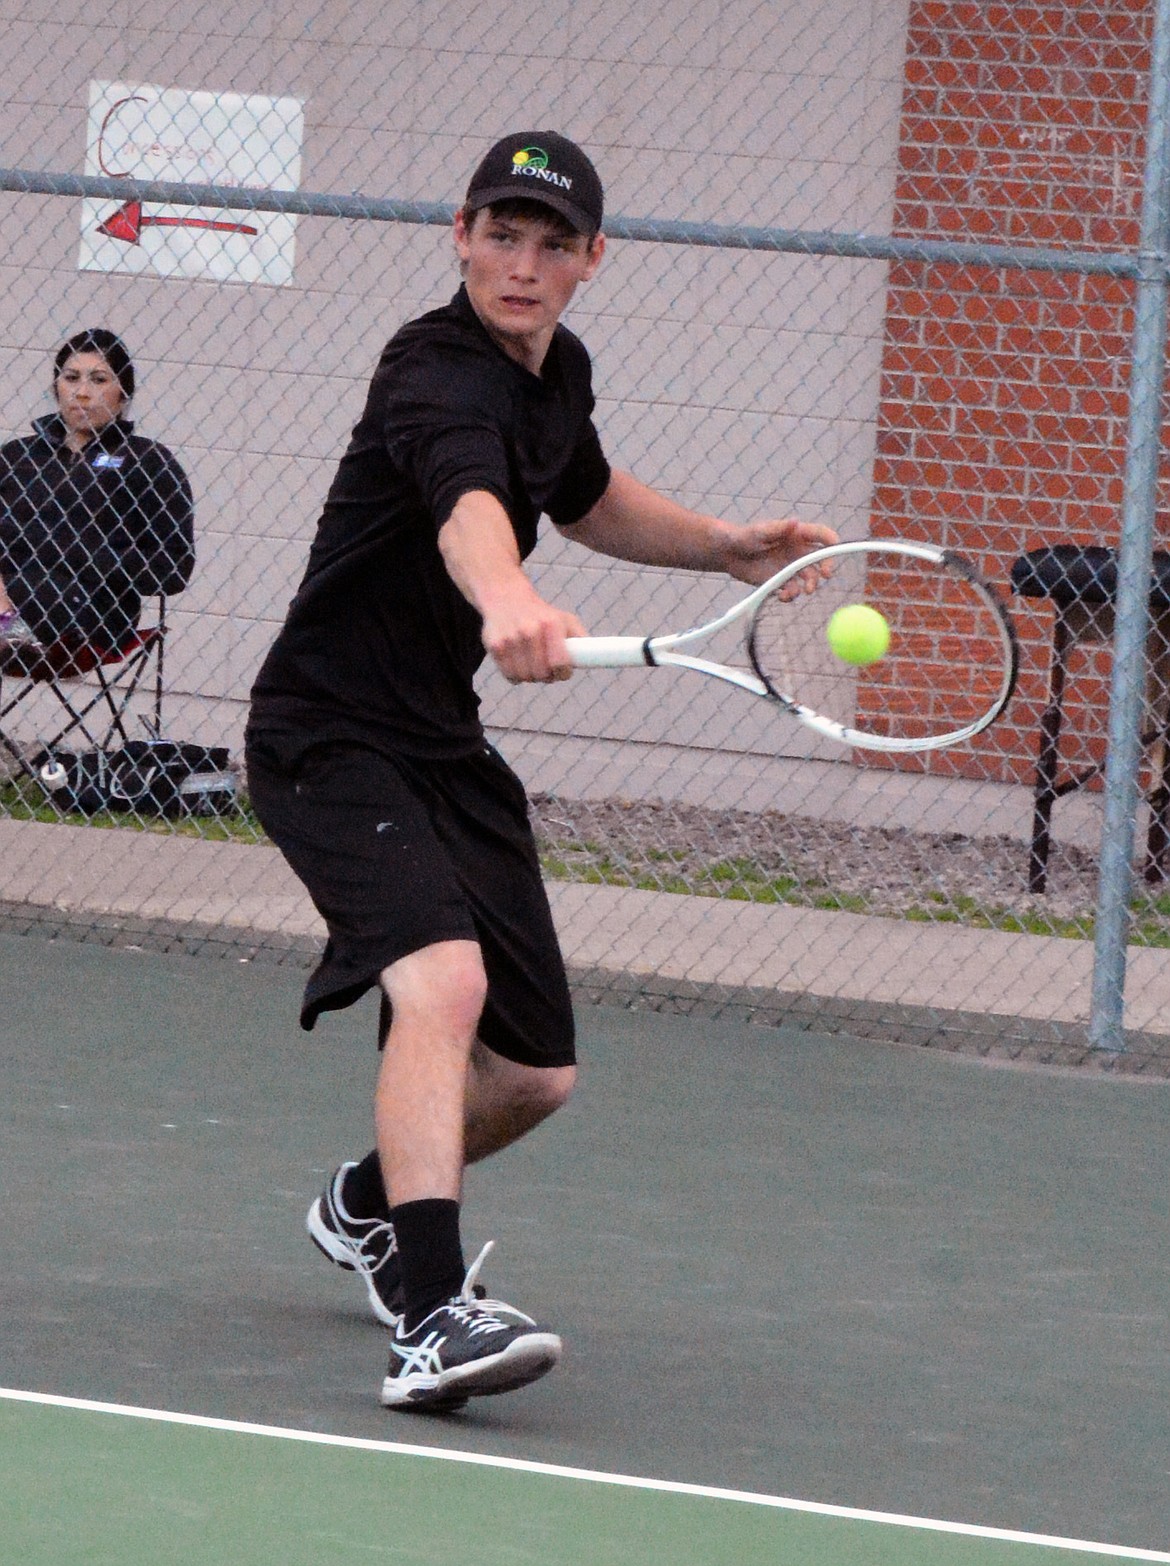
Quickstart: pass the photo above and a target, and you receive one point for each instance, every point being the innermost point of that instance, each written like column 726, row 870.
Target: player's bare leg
column 451, row 1342
column 436, row 996
column 499, row 1102
column 506, row 1100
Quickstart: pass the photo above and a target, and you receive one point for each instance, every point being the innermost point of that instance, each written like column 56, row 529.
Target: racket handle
column 607, row 652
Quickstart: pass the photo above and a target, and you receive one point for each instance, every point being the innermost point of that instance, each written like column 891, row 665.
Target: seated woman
column 93, row 518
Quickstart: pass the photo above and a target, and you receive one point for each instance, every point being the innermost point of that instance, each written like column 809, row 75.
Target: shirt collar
column 462, row 307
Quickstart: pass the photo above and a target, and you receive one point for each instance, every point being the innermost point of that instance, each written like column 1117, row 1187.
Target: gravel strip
column 877, row 870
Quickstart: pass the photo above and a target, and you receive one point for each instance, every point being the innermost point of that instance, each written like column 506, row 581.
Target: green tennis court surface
column 115, row 1491
column 873, row 1279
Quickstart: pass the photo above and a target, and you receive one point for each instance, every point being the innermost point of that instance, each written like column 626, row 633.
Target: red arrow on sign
column 128, row 222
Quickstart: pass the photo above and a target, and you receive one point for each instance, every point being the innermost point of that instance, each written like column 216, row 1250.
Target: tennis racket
column 949, row 671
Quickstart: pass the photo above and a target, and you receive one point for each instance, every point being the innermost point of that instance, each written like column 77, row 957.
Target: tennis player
column 368, row 765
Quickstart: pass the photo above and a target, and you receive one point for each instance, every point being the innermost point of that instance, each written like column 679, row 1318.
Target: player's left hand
column 758, row 550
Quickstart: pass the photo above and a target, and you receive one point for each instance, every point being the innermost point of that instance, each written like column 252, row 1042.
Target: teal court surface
column 823, row 1301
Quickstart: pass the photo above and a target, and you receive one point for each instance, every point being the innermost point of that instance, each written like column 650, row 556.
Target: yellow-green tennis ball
column 858, row 634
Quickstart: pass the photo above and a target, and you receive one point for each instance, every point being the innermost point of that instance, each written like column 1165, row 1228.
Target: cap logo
column 533, row 161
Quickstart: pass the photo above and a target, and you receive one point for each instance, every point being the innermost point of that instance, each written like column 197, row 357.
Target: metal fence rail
column 713, row 236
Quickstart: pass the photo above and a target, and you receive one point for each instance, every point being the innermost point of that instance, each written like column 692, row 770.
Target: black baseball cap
column 540, row 166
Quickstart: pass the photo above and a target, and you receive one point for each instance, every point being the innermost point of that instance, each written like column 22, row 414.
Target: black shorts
column 398, row 854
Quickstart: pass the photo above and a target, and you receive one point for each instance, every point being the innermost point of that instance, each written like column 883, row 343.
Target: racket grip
column 606, row 652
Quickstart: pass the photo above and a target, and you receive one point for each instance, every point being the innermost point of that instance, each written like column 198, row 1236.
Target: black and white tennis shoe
column 362, row 1245
column 469, row 1347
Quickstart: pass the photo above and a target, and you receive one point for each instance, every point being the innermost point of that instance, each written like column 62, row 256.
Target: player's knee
column 445, row 984
column 556, row 1087
column 532, row 1092
column 540, row 1092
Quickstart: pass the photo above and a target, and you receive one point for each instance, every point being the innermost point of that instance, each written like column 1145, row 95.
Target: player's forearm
column 479, row 550
column 633, row 522
column 521, row 632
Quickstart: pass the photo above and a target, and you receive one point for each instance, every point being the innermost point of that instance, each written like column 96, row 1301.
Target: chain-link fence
column 879, row 263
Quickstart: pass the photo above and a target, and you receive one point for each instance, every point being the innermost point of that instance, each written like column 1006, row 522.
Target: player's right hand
column 526, row 640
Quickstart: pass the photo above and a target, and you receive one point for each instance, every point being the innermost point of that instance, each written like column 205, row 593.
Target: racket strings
column 945, row 666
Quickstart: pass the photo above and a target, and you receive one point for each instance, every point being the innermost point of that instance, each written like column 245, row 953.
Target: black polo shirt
column 379, row 643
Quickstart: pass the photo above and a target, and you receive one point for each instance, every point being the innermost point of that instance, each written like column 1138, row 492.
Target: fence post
column 1139, row 503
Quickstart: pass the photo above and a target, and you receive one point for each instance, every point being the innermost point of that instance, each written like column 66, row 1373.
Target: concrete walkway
column 657, row 940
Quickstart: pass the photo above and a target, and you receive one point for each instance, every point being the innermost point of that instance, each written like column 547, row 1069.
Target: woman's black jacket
column 85, row 537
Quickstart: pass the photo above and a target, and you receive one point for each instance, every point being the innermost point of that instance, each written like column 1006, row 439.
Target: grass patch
column 742, row 880
column 992, row 916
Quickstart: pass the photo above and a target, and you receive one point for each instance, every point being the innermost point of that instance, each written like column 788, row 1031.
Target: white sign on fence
column 205, row 138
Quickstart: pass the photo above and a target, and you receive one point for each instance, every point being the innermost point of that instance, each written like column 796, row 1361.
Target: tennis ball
column 858, row 634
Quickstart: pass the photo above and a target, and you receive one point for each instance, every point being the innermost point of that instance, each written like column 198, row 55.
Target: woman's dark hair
column 112, row 349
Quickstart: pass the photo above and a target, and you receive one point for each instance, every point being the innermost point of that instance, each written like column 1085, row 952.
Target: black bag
column 147, row 777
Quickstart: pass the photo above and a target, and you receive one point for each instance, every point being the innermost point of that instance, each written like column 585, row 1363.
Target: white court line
column 589, row 1475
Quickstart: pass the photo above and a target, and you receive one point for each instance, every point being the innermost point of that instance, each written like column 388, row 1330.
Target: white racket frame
column 618, row 652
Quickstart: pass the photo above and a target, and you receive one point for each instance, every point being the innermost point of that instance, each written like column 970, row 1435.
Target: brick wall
column 1003, row 403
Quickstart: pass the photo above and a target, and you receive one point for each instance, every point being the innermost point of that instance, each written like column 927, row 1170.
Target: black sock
column 363, row 1193
column 430, row 1254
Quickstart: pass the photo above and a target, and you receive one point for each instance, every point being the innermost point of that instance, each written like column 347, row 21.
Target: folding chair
column 98, row 716
column 1081, row 582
